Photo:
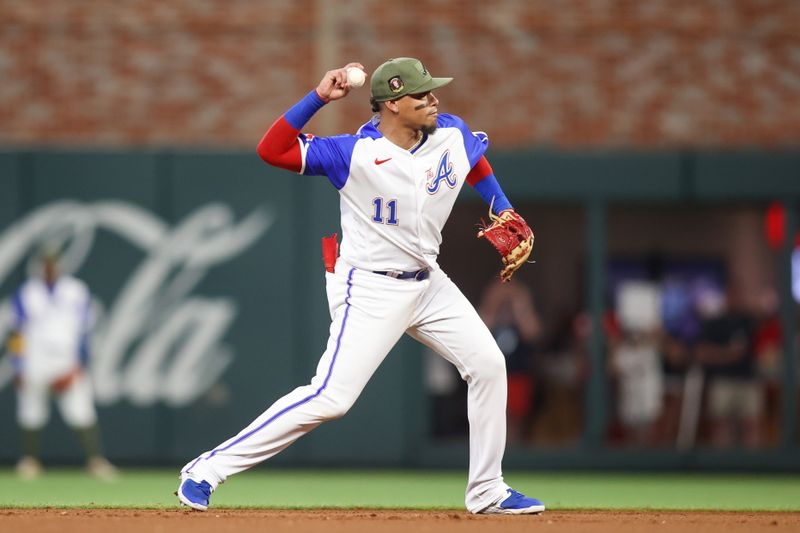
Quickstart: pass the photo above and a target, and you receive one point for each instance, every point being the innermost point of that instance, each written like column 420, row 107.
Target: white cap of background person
column 639, row 306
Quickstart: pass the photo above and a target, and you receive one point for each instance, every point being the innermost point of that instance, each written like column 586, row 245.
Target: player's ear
column 392, row 106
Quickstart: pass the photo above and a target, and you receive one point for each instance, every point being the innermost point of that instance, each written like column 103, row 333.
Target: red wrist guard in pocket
column 330, row 251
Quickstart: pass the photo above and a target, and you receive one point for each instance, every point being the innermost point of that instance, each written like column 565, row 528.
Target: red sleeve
column 280, row 146
column 481, row 169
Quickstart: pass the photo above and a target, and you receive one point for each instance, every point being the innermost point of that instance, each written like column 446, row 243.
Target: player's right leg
column 370, row 312
column 33, row 410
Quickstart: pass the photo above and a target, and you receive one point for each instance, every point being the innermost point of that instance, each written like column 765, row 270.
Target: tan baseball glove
column 511, row 237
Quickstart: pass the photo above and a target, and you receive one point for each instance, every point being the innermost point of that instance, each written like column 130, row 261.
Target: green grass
column 266, row 488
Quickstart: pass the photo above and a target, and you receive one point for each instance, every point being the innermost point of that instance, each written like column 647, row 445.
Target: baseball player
column 398, row 178
column 49, row 349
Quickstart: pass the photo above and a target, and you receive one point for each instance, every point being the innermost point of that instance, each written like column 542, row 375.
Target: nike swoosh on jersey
column 381, row 161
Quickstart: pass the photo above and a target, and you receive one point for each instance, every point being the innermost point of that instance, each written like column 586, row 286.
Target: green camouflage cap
column 401, row 76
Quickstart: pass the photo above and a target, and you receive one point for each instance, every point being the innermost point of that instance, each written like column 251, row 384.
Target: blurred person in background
column 675, row 361
column 726, row 350
column 564, row 370
column 50, row 352
column 681, row 327
column 508, row 311
column 768, row 348
column 635, row 360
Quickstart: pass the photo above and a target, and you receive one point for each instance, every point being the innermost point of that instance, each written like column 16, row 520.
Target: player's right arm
column 16, row 342
column 282, row 145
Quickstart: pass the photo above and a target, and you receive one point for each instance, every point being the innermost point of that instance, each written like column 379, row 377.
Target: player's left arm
column 66, row 380
column 86, row 326
column 509, row 233
column 481, row 176
column 483, row 180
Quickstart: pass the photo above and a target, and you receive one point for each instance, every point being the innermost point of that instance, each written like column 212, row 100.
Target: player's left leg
column 76, row 404
column 448, row 323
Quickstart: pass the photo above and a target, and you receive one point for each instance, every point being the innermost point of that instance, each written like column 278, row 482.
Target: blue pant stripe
column 304, row 400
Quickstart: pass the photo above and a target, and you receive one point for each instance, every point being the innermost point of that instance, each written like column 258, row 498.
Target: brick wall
column 569, row 73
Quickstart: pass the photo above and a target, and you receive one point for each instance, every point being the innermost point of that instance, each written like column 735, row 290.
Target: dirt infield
column 327, row 521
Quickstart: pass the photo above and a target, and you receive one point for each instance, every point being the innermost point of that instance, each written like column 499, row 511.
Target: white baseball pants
column 76, row 403
column 370, row 312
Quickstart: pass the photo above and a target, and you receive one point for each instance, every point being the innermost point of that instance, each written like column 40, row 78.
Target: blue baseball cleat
column 194, row 494
column 515, row 503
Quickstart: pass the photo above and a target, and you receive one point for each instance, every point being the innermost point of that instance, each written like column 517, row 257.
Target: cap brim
column 431, row 85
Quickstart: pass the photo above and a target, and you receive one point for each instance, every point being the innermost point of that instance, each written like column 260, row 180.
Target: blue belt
column 416, row 275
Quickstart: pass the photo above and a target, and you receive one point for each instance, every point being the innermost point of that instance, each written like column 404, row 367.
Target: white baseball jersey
column 54, row 322
column 395, row 202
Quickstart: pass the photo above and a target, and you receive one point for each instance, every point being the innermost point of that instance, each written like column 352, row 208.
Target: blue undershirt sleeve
column 301, row 112
column 492, row 194
column 83, row 346
column 19, row 309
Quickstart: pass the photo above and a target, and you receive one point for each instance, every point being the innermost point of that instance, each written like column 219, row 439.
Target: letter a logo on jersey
column 444, row 172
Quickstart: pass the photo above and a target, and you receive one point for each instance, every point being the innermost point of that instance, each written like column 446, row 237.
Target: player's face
column 50, row 271
column 421, row 110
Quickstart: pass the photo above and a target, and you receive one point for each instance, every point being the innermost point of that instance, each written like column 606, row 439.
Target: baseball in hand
column 356, row 77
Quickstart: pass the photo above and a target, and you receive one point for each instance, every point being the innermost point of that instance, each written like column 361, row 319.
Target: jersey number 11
column 378, row 217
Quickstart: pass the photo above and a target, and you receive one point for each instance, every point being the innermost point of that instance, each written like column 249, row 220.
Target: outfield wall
column 210, row 294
